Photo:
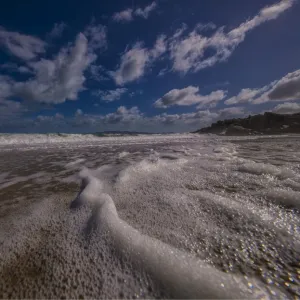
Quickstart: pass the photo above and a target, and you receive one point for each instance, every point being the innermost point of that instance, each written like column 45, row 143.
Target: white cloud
column 197, row 120
column 57, row 30
column 245, row 95
column 287, row 108
column 128, row 14
column 285, row 89
column 51, row 80
column 159, row 48
column 60, row 79
column 110, row 95
column 123, row 115
column 23, row 46
column 123, row 16
column 97, row 36
column 189, row 96
column 204, row 27
column 11, row 67
column 133, row 64
column 190, row 53
column 146, row 11
column 135, row 61
column 231, row 111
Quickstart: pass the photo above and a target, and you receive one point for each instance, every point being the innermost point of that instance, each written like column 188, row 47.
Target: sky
column 147, row 66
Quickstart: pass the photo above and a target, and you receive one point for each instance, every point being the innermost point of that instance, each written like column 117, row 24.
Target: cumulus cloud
column 287, row 108
column 57, row 30
column 135, row 61
column 195, row 51
column 245, row 95
column 189, row 96
column 133, row 64
column 197, row 119
column 49, row 80
column 231, row 112
column 59, row 79
column 285, row 89
column 110, row 95
column 23, row 46
column 123, row 115
column 128, row 14
column 132, row 118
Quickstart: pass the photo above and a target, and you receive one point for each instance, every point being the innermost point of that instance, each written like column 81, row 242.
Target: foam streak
column 182, row 274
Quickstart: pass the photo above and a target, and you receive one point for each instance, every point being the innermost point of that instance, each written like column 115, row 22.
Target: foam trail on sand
column 180, row 273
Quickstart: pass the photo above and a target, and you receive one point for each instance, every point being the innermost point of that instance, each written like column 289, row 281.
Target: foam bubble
column 180, row 272
column 265, row 168
column 285, row 198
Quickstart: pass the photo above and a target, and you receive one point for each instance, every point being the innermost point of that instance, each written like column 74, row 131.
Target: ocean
column 149, row 216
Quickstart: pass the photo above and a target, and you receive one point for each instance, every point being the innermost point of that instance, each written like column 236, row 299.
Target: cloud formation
column 24, row 47
column 110, row 95
column 123, row 115
column 189, row 96
column 194, row 51
column 14, row 68
column 287, row 108
column 245, row 95
column 60, row 79
column 52, row 80
column 198, row 119
column 285, row 89
column 128, row 14
column 135, row 61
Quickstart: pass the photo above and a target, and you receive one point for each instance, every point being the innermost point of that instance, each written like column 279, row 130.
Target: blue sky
column 158, row 66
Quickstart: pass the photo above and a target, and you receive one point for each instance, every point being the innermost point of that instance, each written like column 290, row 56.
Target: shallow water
column 157, row 216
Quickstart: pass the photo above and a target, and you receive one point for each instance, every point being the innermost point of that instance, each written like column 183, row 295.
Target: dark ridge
column 268, row 123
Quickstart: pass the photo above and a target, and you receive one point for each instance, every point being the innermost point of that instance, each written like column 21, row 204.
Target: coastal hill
column 267, row 123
